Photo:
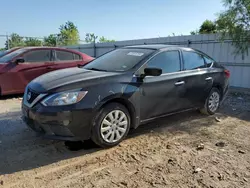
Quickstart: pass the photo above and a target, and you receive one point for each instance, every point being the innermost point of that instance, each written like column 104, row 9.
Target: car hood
column 70, row 78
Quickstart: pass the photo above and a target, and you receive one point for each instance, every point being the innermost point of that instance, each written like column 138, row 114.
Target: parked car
column 121, row 90
column 5, row 52
column 21, row 66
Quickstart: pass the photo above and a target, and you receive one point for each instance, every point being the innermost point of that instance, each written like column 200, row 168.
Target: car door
column 66, row 59
column 163, row 94
column 36, row 62
column 196, row 77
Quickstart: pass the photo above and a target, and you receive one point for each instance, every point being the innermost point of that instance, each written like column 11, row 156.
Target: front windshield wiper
column 96, row 69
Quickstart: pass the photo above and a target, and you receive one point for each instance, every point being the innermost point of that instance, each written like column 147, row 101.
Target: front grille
column 31, row 96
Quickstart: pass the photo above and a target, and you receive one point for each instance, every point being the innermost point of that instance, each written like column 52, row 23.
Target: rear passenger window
column 64, row 56
column 168, row 61
column 77, row 57
column 209, row 61
column 193, row 60
column 37, row 56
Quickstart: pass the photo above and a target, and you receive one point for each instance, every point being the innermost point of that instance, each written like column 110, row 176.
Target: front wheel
column 212, row 102
column 111, row 125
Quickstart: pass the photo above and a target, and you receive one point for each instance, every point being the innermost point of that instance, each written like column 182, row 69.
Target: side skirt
column 165, row 115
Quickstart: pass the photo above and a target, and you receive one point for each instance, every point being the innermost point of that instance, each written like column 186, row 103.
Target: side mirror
column 152, row 72
column 19, row 60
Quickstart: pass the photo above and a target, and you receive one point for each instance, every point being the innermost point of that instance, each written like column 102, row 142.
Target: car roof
column 52, row 48
column 157, row 46
column 43, row 47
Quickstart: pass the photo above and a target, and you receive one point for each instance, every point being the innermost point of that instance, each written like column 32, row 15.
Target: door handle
column 179, row 83
column 209, row 78
column 49, row 68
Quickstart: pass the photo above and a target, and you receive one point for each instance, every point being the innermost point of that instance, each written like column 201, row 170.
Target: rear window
column 64, row 55
column 119, row 60
column 77, row 57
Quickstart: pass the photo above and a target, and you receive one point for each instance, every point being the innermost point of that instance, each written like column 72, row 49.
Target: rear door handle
column 49, row 68
column 179, row 83
column 209, row 78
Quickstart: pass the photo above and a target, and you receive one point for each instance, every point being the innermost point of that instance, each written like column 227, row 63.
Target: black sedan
column 121, row 90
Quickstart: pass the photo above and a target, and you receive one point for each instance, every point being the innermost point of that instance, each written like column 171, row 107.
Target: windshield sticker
column 135, row 54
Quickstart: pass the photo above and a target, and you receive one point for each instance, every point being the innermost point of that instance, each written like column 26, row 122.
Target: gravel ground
column 185, row 150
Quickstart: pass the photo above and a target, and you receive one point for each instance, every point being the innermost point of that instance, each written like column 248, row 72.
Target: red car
column 21, row 66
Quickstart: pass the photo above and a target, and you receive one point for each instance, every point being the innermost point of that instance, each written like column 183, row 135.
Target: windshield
column 119, row 60
column 2, row 53
column 11, row 55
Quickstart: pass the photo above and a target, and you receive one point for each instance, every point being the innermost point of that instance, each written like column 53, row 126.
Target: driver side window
column 168, row 61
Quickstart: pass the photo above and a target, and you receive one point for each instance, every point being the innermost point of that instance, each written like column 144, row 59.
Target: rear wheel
column 111, row 125
column 212, row 102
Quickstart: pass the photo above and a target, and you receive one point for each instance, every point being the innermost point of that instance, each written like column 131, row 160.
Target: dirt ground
column 185, row 150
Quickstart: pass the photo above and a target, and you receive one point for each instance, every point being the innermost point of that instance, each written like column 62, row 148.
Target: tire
column 111, row 125
column 207, row 109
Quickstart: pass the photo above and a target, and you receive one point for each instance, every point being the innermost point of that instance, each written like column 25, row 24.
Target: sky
column 114, row 19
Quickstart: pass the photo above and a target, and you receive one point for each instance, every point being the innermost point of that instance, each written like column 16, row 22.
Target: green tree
column 195, row 32
column 90, row 37
column 69, row 34
column 14, row 40
column 32, row 42
column 207, row 27
column 103, row 39
column 51, row 40
column 235, row 22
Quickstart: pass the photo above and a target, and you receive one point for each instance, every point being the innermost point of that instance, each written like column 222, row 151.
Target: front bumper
column 54, row 132
column 58, row 123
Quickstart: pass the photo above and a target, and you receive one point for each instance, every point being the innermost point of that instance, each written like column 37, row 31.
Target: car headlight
column 64, row 98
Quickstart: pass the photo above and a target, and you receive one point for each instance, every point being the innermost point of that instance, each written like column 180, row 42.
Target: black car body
column 146, row 81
